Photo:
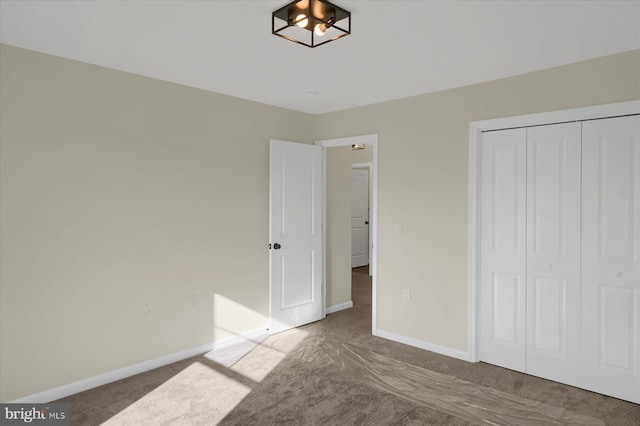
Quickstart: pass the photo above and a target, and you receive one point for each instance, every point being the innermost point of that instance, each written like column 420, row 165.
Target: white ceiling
column 397, row 48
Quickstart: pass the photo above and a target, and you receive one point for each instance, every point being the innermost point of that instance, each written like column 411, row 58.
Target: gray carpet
column 334, row 372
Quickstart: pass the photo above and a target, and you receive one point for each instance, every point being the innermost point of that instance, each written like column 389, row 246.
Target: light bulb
column 320, row 29
column 301, row 20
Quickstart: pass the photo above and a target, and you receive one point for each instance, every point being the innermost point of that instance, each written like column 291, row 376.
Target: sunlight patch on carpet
column 215, row 393
column 259, row 362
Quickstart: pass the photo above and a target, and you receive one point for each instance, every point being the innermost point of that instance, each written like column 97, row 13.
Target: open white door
column 295, row 235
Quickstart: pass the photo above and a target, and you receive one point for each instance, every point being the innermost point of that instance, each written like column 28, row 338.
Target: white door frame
column 475, row 137
column 370, row 141
column 369, row 168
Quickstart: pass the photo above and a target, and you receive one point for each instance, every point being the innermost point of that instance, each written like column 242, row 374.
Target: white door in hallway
column 611, row 256
column 295, row 235
column 359, row 217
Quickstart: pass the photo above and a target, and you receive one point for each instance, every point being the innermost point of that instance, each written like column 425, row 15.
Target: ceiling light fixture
column 311, row 22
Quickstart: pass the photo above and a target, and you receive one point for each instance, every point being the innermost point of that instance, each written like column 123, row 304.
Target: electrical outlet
column 406, row 294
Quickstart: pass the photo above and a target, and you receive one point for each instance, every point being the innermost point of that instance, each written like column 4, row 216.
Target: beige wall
column 122, row 194
column 338, row 225
column 118, row 192
column 423, row 160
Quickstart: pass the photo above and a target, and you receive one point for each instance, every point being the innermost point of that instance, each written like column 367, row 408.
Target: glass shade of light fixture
column 311, row 22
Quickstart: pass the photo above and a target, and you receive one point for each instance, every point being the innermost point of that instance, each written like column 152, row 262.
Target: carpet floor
column 334, row 372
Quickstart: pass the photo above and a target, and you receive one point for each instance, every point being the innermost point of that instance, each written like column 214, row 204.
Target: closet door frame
column 475, row 155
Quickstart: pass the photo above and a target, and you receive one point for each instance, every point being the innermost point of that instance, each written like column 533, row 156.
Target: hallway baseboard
column 339, row 307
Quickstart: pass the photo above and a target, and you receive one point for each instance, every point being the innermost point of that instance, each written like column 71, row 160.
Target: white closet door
column 553, row 252
column 610, row 264
column 502, row 260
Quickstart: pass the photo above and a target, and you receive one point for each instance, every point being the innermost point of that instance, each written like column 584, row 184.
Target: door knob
column 277, row 246
column 366, row 222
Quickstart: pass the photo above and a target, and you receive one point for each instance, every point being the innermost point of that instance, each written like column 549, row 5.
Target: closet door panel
column 610, row 256
column 553, row 251
column 503, row 218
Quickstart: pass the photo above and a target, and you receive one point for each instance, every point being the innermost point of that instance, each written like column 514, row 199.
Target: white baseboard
column 443, row 350
column 254, row 335
column 340, row 307
column 122, row 373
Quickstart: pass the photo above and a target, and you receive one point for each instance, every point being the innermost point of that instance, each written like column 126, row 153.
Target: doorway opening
column 330, row 187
